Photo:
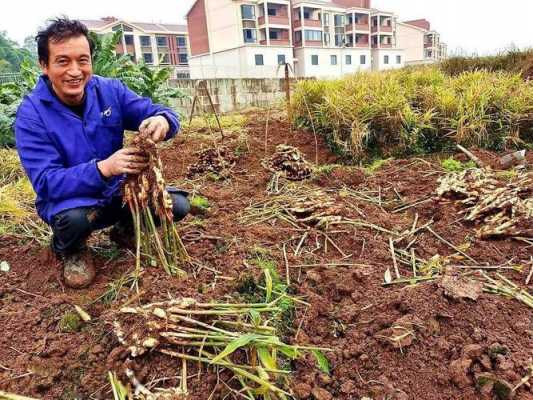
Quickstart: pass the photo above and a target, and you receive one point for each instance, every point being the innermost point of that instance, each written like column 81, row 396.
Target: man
column 69, row 134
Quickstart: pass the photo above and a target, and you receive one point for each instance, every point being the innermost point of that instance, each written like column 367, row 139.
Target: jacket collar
column 43, row 92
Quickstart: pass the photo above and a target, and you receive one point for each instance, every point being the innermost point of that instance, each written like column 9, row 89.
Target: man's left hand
column 157, row 127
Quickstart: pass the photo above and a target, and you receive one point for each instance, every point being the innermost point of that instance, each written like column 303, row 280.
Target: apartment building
column 245, row 39
column 156, row 44
column 421, row 44
column 319, row 38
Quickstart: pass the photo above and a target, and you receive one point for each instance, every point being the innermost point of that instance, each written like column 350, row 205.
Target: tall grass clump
column 416, row 111
column 513, row 61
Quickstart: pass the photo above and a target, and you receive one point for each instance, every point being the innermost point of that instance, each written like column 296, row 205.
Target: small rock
column 321, row 394
column 457, row 287
column 97, row 349
column 302, row 390
column 459, row 372
column 324, row 379
column 473, row 351
column 485, row 362
column 348, row 387
column 314, row 276
column 4, row 266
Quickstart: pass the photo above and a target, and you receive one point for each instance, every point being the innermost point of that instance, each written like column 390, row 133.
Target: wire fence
column 10, row 77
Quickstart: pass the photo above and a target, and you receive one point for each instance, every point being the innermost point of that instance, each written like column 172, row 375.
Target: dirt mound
column 218, row 161
column 289, row 163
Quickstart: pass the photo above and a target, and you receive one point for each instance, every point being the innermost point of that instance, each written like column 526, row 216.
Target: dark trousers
column 72, row 227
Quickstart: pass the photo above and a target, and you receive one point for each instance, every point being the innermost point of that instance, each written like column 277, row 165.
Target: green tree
column 11, row 53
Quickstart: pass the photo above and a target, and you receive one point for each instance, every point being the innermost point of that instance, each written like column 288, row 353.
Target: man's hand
column 157, row 127
column 129, row 160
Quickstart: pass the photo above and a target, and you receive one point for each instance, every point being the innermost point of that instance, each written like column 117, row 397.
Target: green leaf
column 290, row 352
column 321, row 360
column 268, row 284
column 234, row 345
column 255, row 317
column 266, row 358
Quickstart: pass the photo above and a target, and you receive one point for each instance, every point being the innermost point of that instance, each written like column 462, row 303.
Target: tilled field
column 386, row 274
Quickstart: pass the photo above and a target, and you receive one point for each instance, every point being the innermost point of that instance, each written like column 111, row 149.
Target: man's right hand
column 129, row 160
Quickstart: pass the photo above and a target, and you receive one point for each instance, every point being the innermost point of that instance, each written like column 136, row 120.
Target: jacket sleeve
column 136, row 109
column 45, row 166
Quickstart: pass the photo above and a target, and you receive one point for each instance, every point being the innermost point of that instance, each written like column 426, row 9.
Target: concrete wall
column 324, row 69
column 239, row 62
column 224, row 24
column 378, row 59
column 411, row 40
column 231, row 94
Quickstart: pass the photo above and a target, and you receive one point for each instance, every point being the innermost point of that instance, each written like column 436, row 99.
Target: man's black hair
column 58, row 30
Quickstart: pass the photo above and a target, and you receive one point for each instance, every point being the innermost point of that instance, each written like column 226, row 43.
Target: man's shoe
column 123, row 236
column 78, row 270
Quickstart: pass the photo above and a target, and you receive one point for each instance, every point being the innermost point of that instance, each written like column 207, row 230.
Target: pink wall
column 353, row 3
column 420, row 23
column 197, row 26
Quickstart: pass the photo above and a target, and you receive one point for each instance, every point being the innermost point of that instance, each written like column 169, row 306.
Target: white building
column 420, row 44
column 319, row 38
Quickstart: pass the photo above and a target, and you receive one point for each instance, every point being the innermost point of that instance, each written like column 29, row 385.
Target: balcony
column 374, row 29
column 274, row 20
column 385, row 28
column 385, row 46
column 362, row 45
column 428, row 45
column 362, row 27
column 275, row 42
column 313, row 43
column 313, row 23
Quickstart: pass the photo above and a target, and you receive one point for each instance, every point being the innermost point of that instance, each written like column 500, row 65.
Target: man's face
column 69, row 68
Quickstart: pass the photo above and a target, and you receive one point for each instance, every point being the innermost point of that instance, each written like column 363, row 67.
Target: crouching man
column 69, row 135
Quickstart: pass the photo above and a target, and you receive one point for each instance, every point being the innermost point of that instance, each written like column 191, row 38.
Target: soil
column 452, row 341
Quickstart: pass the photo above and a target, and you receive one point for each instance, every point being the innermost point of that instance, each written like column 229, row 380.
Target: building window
column 164, row 58
column 250, row 35
column 333, row 60
column 326, row 19
column 145, row 41
column 273, row 34
column 161, row 41
column 248, row 11
column 313, row 35
column 314, row 59
column 281, row 59
column 181, row 41
column 148, row 58
column 385, row 59
column 398, row 59
column 272, row 12
column 326, row 39
column 348, row 60
column 339, row 40
column 259, row 59
column 363, row 60
column 298, row 36
column 182, row 58
column 128, row 39
column 339, row 20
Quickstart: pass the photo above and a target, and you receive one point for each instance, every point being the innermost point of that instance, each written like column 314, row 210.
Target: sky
column 472, row 26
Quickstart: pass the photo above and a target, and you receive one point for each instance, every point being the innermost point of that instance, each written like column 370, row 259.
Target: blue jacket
column 59, row 150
